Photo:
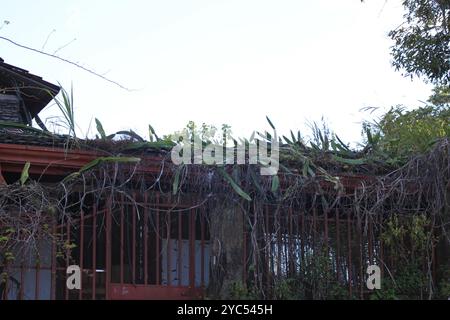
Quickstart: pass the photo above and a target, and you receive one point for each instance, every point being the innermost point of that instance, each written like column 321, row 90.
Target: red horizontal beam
column 57, row 161
column 153, row 292
column 43, row 159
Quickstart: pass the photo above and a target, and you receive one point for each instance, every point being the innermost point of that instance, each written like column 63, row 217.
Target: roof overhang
column 35, row 91
column 57, row 161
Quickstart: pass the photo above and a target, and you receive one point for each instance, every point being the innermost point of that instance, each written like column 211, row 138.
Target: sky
column 215, row 61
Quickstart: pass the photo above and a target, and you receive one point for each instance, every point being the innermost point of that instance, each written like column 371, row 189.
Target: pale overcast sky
column 229, row 61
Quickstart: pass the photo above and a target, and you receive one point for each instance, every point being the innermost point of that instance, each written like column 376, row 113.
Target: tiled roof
column 33, row 89
column 25, row 136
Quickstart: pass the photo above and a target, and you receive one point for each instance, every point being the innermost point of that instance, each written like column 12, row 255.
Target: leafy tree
column 440, row 96
column 407, row 132
column 422, row 41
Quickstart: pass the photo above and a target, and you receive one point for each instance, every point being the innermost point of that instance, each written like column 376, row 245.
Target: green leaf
column 25, row 175
column 349, row 161
column 270, row 122
column 293, row 136
column 286, row 169
column 256, row 182
column 100, row 129
column 369, row 136
column 287, row 140
column 314, row 146
column 342, row 143
column 337, row 147
column 275, row 184
column 152, row 133
column 334, row 146
column 161, row 144
column 234, row 185
column 306, row 168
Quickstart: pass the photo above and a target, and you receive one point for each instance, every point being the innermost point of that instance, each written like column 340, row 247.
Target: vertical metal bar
column 108, row 255
column 133, row 241
column 279, row 243
column 94, row 252
column 285, row 241
column 326, row 231
column 22, row 276
column 38, row 268
column 361, row 258
column 369, row 242
column 158, row 272
column 122, row 239
column 202, row 231
column 67, row 255
column 22, row 280
column 290, row 242
column 145, row 238
column 302, row 249
column 80, row 293
column 314, row 229
column 192, row 248
column 379, row 235
column 53, row 272
column 180, row 248
column 338, row 241
column 349, row 255
column 244, row 250
column 169, row 247
column 433, row 257
column 6, row 292
column 267, row 245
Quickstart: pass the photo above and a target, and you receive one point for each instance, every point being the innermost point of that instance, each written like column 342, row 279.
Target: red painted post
column 94, row 252
column 67, row 256
column 53, row 272
column 370, row 246
column 38, row 268
column 349, row 255
column 180, row 248
column 338, row 241
column 145, row 238
column 133, row 241
column 80, row 294
column 202, row 271
column 108, row 258
column 22, row 280
column 169, row 247
column 244, row 250
column 122, row 239
column 361, row 260
column 157, row 236
column 192, row 249
column 380, row 222
column 325, row 215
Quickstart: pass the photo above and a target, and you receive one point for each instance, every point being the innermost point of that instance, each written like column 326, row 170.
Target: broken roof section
column 35, row 92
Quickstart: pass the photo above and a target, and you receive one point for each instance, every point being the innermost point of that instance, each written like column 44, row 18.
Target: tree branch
column 66, row 61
